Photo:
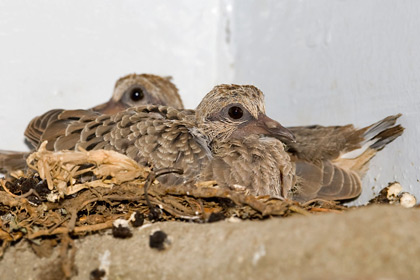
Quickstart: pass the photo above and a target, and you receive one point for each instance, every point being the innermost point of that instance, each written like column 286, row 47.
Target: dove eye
column 136, row 94
column 235, row 112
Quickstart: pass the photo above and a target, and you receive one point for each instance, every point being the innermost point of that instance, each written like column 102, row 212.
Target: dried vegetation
column 64, row 195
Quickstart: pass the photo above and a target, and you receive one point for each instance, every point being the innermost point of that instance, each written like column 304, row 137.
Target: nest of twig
column 71, row 193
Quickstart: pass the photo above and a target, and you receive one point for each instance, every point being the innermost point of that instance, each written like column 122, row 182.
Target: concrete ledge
column 366, row 243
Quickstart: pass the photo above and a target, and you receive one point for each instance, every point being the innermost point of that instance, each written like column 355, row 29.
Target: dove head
column 136, row 90
column 235, row 112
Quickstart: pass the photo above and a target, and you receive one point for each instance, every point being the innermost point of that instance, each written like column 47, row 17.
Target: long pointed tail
column 384, row 132
column 376, row 137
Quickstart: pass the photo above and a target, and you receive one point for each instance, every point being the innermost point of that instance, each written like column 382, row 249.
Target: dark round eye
column 136, row 94
column 235, row 112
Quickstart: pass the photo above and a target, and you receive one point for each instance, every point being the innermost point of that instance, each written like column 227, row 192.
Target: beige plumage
column 230, row 139
column 330, row 161
column 130, row 90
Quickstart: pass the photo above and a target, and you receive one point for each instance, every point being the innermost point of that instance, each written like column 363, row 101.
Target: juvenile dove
column 129, row 91
column 228, row 138
column 141, row 89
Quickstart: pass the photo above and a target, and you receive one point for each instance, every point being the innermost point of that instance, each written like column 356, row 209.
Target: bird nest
column 77, row 192
column 67, row 194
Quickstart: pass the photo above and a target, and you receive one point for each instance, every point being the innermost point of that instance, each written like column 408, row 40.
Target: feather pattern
column 228, row 139
column 130, row 90
column 330, row 161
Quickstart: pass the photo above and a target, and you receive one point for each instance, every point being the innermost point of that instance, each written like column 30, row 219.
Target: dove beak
column 111, row 107
column 264, row 126
column 274, row 129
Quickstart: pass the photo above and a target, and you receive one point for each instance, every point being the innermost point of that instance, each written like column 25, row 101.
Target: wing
column 313, row 153
column 161, row 137
column 156, row 136
column 331, row 160
column 324, row 180
column 346, row 146
column 324, row 142
column 37, row 126
column 55, row 121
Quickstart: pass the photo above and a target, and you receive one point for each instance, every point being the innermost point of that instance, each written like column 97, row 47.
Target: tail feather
column 373, row 130
column 376, row 137
column 386, row 137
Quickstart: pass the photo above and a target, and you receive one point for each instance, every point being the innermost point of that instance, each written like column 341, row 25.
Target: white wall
column 338, row 62
column 68, row 54
column 326, row 62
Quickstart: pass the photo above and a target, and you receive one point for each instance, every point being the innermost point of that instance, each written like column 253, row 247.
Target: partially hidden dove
column 230, row 139
column 129, row 91
column 141, row 89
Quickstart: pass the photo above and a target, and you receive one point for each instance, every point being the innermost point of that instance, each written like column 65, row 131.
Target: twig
column 299, row 210
column 58, row 224
column 3, row 184
column 28, row 193
column 277, row 208
column 329, row 202
column 150, row 179
column 67, row 255
column 317, row 209
column 72, row 222
column 80, row 229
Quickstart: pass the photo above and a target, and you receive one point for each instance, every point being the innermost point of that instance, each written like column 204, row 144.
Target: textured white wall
column 327, row 62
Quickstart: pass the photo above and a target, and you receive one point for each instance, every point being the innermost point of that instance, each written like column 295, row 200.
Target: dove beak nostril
column 272, row 124
column 282, row 133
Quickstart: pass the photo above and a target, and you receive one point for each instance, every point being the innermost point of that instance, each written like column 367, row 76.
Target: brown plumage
column 141, row 89
column 330, row 161
column 228, row 138
column 129, row 91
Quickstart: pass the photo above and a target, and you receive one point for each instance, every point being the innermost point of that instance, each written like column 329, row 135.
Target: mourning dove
column 130, row 90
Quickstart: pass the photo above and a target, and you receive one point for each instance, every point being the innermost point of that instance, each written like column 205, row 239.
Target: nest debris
column 68, row 194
